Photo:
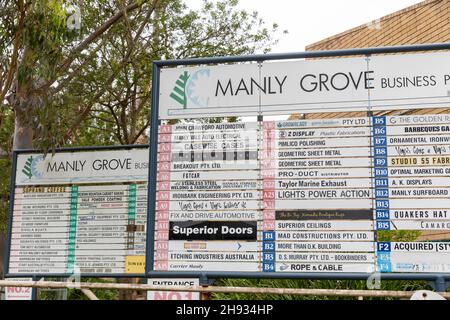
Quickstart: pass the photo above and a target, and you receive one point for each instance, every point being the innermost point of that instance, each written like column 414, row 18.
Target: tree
column 57, row 78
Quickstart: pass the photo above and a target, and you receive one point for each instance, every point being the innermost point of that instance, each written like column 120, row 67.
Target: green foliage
column 104, row 97
column 219, row 28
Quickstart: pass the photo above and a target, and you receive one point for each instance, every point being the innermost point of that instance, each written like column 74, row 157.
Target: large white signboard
column 329, row 85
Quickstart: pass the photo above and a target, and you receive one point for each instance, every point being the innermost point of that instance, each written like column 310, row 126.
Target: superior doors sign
column 79, row 212
column 331, row 85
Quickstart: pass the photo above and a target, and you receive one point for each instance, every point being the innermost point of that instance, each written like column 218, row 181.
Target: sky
column 311, row 21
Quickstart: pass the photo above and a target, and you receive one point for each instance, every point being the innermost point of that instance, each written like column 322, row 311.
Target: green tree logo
column 27, row 167
column 179, row 91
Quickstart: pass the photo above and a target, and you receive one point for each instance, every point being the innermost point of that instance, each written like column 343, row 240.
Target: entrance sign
column 79, row 212
column 332, row 85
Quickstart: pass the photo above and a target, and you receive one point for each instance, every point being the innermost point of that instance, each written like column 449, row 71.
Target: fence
column 205, row 291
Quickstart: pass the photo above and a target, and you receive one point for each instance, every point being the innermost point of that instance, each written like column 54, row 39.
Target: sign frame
column 439, row 280
column 13, row 186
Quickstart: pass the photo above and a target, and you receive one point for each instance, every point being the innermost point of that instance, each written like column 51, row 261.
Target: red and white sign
column 173, row 295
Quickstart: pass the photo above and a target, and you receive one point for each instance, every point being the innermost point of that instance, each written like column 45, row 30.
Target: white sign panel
column 19, row 293
column 410, row 81
column 329, row 85
column 188, row 92
column 82, row 167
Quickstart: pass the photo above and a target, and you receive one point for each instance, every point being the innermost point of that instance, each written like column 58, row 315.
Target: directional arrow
column 239, row 246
